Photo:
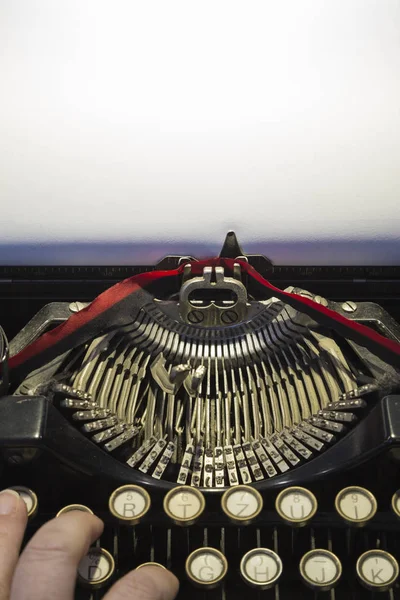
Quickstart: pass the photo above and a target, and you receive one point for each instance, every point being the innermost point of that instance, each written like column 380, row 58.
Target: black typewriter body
column 322, row 450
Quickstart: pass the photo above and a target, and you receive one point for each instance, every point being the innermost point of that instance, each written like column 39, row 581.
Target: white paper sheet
column 131, row 129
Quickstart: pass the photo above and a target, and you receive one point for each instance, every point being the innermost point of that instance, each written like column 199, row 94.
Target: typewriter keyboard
column 243, row 543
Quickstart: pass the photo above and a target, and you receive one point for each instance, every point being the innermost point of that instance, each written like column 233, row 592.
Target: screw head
column 15, row 459
column 320, row 300
column 75, row 307
column 349, row 306
column 195, row 316
column 229, row 316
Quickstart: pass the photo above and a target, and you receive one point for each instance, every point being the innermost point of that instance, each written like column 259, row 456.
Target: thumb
column 148, row 583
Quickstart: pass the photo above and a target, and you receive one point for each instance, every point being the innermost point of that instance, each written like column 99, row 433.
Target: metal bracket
column 210, row 313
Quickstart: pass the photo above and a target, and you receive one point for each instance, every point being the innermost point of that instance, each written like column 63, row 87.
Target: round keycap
column 129, row 504
column 206, row 567
column 150, row 564
column 356, row 505
column 70, row 507
column 296, row 506
column 396, row 503
column 377, row 570
column 29, row 497
column 261, row 568
column 184, row 504
column 242, row 503
column 320, row 569
column 96, row 568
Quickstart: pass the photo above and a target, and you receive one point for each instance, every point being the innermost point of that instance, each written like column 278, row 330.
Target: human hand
column 47, row 568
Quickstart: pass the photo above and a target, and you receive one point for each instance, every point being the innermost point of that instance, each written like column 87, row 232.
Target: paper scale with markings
column 201, row 376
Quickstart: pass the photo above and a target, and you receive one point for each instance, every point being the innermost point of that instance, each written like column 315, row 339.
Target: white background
column 129, row 129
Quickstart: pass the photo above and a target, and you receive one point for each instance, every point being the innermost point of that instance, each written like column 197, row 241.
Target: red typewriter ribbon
column 107, row 312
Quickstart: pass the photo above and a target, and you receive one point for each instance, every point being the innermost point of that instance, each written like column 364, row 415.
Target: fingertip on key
column 80, row 515
column 147, row 582
column 165, row 581
column 9, row 502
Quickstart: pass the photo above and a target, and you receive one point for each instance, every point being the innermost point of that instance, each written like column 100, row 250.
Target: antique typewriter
column 232, row 420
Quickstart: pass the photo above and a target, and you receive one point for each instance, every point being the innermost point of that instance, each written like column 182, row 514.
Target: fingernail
column 8, row 502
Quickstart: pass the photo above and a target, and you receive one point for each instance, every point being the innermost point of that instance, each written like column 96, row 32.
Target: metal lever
column 33, row 422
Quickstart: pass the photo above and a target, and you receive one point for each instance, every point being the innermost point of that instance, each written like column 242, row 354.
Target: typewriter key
column 296, row 506
column 261, row 568
column 356, row 505
column 396, row 503
column 377, row 570
column 184, row 505
column 70, row 507
column 206, row 567
column 242, row 504
column 29, row 497
column 96, row 568
column 129, row 504
column 150, row 564
column 320, row 569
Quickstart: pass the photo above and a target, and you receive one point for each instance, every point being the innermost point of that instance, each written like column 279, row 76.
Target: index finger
column 48, row 566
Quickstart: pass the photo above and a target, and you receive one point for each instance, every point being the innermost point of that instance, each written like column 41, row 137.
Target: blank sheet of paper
column 132, row 129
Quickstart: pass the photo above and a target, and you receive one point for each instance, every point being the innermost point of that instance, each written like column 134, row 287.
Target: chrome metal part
column 214, row 388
